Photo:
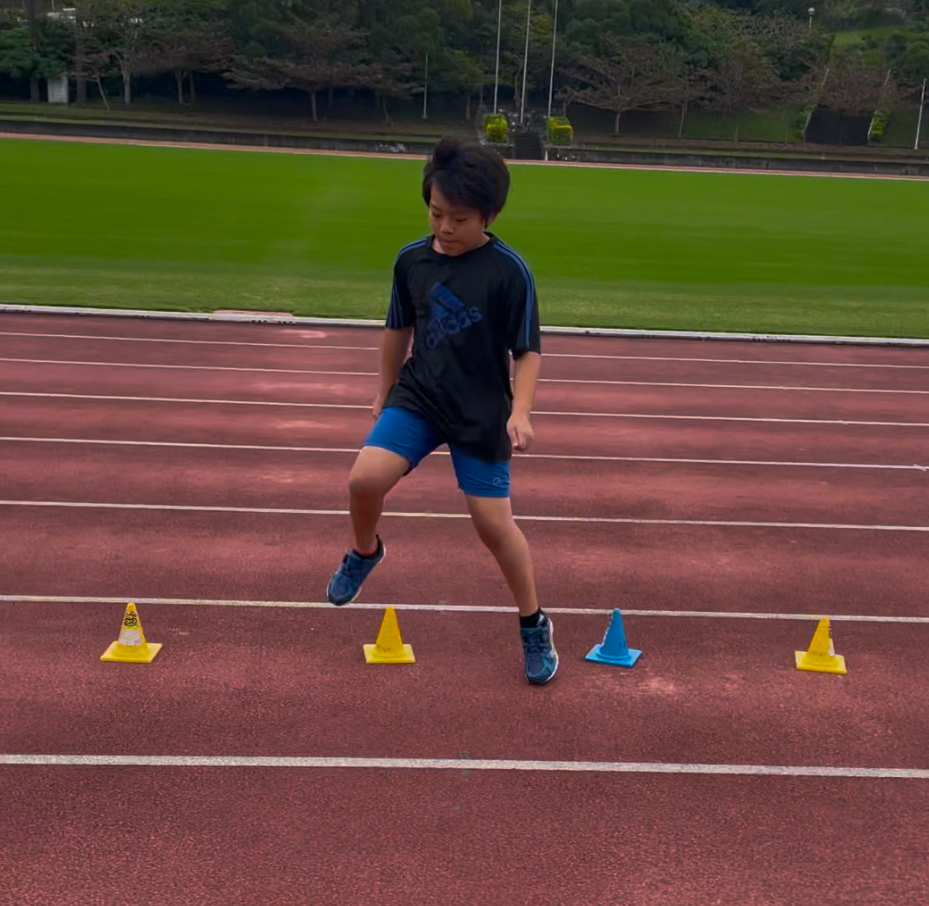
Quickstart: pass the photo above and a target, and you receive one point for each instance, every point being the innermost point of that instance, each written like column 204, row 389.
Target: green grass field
column 192, row 230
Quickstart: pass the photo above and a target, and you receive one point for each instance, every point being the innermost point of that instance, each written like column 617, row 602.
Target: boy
column 467, row 301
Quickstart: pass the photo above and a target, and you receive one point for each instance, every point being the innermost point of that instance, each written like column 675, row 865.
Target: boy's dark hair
column 468, row 173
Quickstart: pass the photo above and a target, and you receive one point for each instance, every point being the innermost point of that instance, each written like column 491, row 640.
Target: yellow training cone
column 131, row 646
column 821, row 658
column 389, row 648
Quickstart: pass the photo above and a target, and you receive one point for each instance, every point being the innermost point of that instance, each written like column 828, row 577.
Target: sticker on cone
column 131, row 646
column 613, row 649
column 389, row 648
column 821, row 656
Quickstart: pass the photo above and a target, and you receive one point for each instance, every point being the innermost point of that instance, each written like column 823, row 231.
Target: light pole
column 919, row 122
column 551, row 79
column 812, row 12
column 522, row 105
column 426, row 86
column 497, row 70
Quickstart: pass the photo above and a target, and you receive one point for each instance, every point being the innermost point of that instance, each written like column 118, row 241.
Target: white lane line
column 172, row 399
column 374, row 374
column 662, row 358
column 462, row 764
column 555, row 355
column 663, row 460
column 72, row 336
column 582, row 520
column 367, row 407
column 781, row 387
column 191, row 367
column 737, row 418
column 442, row 607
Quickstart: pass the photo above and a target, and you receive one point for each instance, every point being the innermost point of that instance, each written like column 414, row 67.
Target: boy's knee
column 367, row 484
column 375, row 474
column 495, row 530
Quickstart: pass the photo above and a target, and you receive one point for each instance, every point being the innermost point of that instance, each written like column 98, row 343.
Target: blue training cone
column 614, row 650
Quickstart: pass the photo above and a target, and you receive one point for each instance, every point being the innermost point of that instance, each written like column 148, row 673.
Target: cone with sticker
column 131, row 646
column 613, row 649
column 821, row 656
column 389, row 648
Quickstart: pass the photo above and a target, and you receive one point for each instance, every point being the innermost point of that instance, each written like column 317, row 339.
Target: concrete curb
column 257, row 317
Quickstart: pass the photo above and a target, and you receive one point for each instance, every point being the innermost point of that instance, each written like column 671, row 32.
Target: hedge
column 496, row 128
column 560, row 131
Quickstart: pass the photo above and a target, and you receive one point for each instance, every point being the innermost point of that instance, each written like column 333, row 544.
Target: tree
column 595, row 21
column 630, row 75
column 309, row 56
column 758, row 63
column 34, row 54
column 907, row 52
column 122, row 39
column 17, row 57
column 855, row 86
column 400, row 33
column 457, row 72
column 187, row 37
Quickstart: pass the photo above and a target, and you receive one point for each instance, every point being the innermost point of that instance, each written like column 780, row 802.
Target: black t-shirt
column 469, row 313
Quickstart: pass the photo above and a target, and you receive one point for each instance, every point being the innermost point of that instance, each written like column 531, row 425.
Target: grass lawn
column 184, row 229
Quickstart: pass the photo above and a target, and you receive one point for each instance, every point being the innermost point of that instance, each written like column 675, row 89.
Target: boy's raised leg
column 492, row 518
column 375, row 473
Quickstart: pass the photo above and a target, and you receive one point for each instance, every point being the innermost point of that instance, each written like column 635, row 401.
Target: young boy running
column 468, row 302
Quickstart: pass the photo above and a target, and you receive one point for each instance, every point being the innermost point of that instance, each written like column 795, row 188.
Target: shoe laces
column 535, row 640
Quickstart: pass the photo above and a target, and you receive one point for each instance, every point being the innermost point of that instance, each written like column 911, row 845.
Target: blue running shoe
column 539, row 652
column 347, row 580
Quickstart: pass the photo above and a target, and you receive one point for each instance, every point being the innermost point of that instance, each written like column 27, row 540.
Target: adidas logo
column 449, row 315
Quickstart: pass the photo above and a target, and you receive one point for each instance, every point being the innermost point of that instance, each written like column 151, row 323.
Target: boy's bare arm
column 394, row 350
column 519, row 427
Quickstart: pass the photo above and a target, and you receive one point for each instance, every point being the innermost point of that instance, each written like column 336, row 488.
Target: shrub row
column 560, row 131
column 496, row 129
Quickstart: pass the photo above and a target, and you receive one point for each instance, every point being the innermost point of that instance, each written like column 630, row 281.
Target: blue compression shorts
column 411, row 436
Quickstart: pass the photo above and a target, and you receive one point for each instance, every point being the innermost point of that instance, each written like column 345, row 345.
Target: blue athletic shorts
column 408, row 434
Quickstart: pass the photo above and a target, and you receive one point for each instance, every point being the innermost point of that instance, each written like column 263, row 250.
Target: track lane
column 555, row 435
column 541, row 487
column 253, row 556
column 351, row 390
column 378, row 838
column 295, row 683
column 326, row 358
column 146, row 329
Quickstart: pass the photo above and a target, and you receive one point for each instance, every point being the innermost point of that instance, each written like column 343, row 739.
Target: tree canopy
column 618, row 55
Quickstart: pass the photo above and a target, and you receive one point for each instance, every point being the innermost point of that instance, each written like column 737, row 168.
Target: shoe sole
column 355, row 597
column 551, row 634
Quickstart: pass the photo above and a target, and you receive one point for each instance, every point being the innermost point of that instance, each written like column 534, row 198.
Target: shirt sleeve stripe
column 395, row 319
column 530, row 283
column 419, row 243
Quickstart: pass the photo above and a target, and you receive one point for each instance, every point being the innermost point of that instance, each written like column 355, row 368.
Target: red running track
column 274, row 681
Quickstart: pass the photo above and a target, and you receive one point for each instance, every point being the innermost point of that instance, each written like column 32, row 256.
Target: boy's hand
column 520, row 430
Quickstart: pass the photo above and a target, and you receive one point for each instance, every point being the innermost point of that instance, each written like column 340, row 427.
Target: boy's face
column 458, row 229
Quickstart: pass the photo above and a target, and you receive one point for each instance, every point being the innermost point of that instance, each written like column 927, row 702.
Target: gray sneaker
column 346, row 581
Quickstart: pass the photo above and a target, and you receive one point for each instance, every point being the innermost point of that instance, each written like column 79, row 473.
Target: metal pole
column 497, row 70
column 919, row 122
column 522, row 105
column 551, row 80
